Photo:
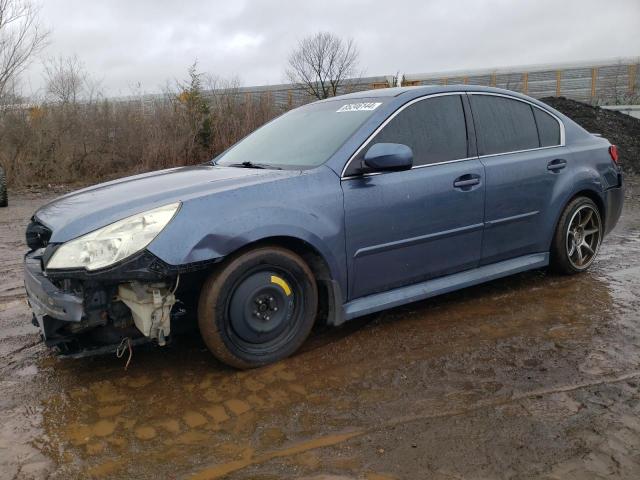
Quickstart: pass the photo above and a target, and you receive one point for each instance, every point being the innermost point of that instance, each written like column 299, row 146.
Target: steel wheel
column 258, row 307
column 583, row 236
column 263, row 310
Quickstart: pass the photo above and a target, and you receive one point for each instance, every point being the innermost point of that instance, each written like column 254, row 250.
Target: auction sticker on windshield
column 359, row 107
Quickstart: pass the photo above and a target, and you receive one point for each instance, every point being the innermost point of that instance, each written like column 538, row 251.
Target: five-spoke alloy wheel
column 583, row 236
column 578, row 237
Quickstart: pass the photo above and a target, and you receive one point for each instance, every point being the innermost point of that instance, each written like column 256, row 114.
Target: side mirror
column 388, row 157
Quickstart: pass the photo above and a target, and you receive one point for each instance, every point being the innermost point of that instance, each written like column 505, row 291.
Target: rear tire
column 4, row 201
column 258, row 308
column 577, row 238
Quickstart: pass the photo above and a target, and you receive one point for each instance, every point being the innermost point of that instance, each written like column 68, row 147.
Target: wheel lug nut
column 275, row 309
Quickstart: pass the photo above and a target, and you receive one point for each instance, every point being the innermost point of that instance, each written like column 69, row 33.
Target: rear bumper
column 50, row 305
column 614, row 202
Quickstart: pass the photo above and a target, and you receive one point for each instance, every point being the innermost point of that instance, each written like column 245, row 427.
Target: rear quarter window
column 503, row 124
column 548, row 128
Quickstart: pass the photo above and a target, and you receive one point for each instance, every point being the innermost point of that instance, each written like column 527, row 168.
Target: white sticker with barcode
column 359, row 107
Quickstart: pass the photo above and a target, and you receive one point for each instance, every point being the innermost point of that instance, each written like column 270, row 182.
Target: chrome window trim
column 560, row 123
column 370, row 174
column 442, row 94
column 519, row 151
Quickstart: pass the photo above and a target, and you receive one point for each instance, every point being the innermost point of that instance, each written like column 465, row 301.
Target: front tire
column 577, row 238
column 258, row 308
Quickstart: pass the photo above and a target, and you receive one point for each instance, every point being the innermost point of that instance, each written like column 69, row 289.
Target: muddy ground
column 533, row 376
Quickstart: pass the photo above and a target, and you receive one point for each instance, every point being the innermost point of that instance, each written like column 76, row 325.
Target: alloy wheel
column 583, row 237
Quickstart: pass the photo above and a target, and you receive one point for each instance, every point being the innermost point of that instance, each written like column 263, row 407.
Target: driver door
column 408, row 226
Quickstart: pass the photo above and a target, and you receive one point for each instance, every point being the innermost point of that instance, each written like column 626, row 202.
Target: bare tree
column 66, row 79
column 21, row 37
column 321, row 63
column 396, row 80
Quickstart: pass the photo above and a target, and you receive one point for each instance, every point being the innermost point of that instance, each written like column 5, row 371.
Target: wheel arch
column 589, row 192
column 595, row 197
column 330, row 298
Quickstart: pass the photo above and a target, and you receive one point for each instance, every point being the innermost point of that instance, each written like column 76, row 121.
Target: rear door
column 405, row 227
column 520, row 147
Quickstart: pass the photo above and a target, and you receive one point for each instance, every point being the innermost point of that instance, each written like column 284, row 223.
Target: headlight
column 114, row 242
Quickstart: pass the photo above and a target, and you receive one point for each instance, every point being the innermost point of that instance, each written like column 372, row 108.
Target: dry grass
column 70, row 142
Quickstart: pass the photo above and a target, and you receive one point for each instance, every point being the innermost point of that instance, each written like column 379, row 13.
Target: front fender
column 215, row 246
column 306, row 207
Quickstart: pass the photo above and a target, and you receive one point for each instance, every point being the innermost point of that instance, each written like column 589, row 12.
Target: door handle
column 556, row 165
column 466, row 181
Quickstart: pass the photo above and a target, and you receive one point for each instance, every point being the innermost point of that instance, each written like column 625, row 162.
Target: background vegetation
column 76, row 135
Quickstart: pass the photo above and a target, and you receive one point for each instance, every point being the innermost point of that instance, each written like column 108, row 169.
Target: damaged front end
column 80, row 311
column 76, row 312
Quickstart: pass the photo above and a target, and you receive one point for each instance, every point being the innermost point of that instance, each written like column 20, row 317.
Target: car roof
column 417, row 91
column 399, row 95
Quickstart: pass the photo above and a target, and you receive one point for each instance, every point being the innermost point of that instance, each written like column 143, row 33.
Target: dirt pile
column 620, row 129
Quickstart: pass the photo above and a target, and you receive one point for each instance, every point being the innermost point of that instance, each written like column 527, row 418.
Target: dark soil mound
column 620, row 129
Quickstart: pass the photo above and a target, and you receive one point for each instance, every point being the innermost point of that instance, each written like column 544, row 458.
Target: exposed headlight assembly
column 115, row 242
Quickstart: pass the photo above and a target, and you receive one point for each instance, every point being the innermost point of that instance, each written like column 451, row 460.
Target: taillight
column 613, row 151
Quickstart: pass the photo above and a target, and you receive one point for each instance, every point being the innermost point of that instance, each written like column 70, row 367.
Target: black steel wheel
column 578, row 237
column 258, row 307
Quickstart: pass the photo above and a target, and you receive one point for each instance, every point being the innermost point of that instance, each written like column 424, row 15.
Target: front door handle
column 466, row 181
column 556, row 165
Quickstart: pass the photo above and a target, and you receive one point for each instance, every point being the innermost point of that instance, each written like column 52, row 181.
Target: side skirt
column 438, row 286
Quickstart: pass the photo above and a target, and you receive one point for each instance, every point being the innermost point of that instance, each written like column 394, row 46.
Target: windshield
column 302, row 138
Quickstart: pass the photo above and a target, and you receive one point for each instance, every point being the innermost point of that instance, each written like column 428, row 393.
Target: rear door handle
column 556, row 165
column 466, row 181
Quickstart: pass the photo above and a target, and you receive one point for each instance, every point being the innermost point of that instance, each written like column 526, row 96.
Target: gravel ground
column 532, row 376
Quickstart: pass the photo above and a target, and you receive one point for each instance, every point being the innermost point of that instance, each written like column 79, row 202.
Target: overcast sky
column 125, row 42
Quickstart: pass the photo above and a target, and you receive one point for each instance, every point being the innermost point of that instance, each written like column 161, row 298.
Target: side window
column 548, row 128
column 434, row 128
column 503, row 125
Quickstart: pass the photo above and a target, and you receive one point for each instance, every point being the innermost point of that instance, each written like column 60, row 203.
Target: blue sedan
column 334, row 210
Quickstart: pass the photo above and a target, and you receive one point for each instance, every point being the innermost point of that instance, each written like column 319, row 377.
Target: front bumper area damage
column 79, row 311
column 44, row 296
column 150, row 307
column 51, row 307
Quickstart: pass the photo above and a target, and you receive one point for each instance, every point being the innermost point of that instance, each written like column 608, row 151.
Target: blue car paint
column 439, row 227
column 233, row 218
column 378, row 235
column 85, row 210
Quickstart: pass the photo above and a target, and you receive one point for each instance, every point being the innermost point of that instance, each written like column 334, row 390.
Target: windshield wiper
column 253, row 165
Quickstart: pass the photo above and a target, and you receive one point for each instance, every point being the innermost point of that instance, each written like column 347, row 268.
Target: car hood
column 91, row 208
